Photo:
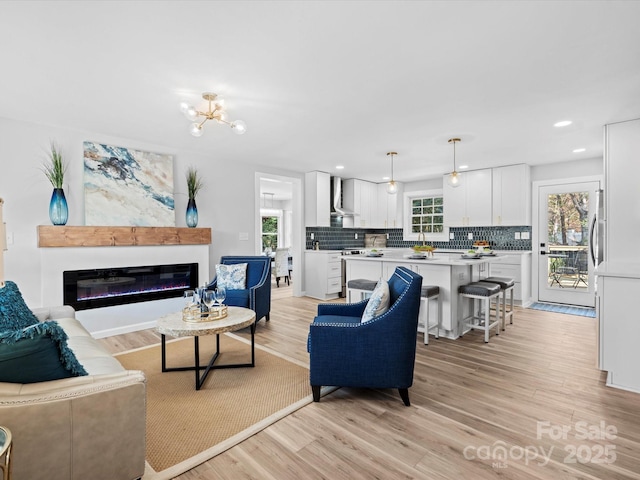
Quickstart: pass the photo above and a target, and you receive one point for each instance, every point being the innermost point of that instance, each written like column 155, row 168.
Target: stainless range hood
column 336, row 199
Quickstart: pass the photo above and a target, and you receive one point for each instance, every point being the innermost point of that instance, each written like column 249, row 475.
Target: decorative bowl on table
column 471, row 254
column 374, row 253
column 423, row 250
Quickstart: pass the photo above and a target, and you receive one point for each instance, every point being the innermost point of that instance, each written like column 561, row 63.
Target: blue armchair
column 257, row 295
column 379, row 353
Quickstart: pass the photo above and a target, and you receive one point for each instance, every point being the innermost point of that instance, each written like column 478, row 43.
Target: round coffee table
column 173, row 325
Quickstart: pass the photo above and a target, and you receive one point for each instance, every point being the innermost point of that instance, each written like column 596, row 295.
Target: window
column 424, row 213
column 269, row 232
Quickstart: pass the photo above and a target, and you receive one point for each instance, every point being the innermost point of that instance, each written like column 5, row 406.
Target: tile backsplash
column 499, row 238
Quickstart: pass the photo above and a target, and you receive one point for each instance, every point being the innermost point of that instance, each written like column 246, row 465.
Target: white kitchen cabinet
column 619, row 328
column 317, row 199
column 469, row 204
column 323, row 274
column 511, row 188
column 389, row 211
column 622, row 202
column 360, row 197
column 518, row 267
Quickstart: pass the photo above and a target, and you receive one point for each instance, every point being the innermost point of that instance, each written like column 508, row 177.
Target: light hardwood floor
column 533, row 392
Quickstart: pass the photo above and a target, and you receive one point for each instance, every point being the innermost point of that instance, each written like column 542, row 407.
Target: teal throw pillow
column 232, row 277
column 37, row 353
column 378, row 302
column 14, row 313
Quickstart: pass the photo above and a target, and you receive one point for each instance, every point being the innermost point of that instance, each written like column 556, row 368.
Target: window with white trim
column 424, row 213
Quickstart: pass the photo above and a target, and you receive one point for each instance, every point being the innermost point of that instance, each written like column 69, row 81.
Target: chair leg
column 267, row 317
column 404, row 394
column 277, row 282
column 315, row 389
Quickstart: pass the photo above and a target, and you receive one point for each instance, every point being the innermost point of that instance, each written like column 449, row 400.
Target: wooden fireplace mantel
column 81, row 236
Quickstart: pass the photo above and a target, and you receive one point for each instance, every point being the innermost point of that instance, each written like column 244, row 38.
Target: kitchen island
column 446, row 270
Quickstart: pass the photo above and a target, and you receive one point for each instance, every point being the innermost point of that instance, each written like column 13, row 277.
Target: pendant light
column 453, row 179
column 392, row 186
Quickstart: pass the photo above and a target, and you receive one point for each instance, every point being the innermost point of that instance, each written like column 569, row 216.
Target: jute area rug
column 186, row 427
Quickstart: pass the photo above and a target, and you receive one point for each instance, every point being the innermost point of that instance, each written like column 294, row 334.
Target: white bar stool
column 507, row 285
column 484, row 292
column 428, row 293
column 360, row 287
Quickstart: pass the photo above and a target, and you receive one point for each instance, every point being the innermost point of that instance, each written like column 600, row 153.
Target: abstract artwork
column 127, row 187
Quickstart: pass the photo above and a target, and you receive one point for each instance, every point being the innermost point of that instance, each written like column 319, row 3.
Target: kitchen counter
column 446, row 270
column 618, row 269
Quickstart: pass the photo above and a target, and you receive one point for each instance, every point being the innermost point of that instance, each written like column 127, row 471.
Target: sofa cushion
column 232, row 277
column 378, row 302
column 37, row 353
column 14, row 313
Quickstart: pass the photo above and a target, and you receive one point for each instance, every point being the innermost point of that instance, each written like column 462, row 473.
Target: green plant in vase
column 54, row 169
column 194, row 185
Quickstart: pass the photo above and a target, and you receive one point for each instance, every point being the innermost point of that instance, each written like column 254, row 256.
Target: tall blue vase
column 192, row 213
column 58, row 209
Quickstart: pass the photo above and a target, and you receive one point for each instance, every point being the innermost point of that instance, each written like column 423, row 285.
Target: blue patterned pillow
column 232, row 277
column 14, row 313
column 37, row 353
column 378, row 302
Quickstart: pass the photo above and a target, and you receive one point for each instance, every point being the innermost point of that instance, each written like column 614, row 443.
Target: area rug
column 186, row 427
column 569, row 309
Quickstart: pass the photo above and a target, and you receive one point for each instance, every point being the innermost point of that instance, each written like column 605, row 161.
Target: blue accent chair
column 377, row 354
column 257, row 295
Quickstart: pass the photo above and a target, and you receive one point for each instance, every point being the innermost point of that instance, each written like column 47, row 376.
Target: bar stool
column 484, row 292
column 428, row 293
column 506, row 285
column 361, row 287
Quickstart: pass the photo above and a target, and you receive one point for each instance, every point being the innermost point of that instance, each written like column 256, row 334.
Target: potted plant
column 194, row 185
column 54, row 169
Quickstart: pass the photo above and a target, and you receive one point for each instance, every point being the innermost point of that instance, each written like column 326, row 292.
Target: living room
column 127, row 93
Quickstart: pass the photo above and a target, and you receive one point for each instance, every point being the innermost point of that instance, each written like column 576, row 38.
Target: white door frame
column 535, row 224
column 297, row 237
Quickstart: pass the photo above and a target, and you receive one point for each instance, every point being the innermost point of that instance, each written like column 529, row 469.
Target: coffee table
column 173, row 325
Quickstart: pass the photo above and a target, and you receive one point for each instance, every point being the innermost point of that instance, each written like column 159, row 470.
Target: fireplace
column 104, row 287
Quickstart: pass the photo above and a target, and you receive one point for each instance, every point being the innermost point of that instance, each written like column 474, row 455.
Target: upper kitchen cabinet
column 362, row 198
column 317, row 192
column 512, row 195
column 469, row 204
column 389, row 213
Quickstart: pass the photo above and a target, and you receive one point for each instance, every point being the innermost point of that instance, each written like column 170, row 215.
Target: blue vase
column 192, row 213
column 58, row 210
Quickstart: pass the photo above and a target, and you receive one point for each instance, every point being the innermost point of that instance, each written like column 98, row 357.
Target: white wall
column 574, row 168
column 226, row 204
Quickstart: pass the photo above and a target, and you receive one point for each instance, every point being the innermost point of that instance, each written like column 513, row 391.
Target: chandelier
column 215, row 112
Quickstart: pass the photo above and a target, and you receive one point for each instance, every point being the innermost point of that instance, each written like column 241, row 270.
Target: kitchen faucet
column 424, row 238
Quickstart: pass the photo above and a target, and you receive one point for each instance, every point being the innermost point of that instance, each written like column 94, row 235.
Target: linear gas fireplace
column 104, row 287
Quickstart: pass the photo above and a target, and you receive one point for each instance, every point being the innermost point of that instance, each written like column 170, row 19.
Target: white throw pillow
column 232, row 277
column 378, row 302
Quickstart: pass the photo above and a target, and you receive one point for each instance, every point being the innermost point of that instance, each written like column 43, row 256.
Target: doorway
column 561, row 249
column 278, row 225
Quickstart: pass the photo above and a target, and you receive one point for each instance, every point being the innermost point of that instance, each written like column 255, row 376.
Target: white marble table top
column 236, row 319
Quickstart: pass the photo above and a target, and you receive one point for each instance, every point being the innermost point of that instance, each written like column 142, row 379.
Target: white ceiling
column 327, row 83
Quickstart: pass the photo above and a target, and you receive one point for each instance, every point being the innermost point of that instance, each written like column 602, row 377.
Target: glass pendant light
column 453, row 179
column 392, row 186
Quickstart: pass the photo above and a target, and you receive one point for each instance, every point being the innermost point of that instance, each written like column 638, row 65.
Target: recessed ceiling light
column 563, row 123
column 339, row 167
column 386, row 178
column 463, row 167
column 579, row 150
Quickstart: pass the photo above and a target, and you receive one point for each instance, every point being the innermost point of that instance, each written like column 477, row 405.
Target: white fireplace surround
column 107, row 321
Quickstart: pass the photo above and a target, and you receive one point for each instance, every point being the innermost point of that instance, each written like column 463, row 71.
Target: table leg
column 200, row 379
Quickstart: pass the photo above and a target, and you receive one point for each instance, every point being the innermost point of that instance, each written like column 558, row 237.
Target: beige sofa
column 90, row 427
